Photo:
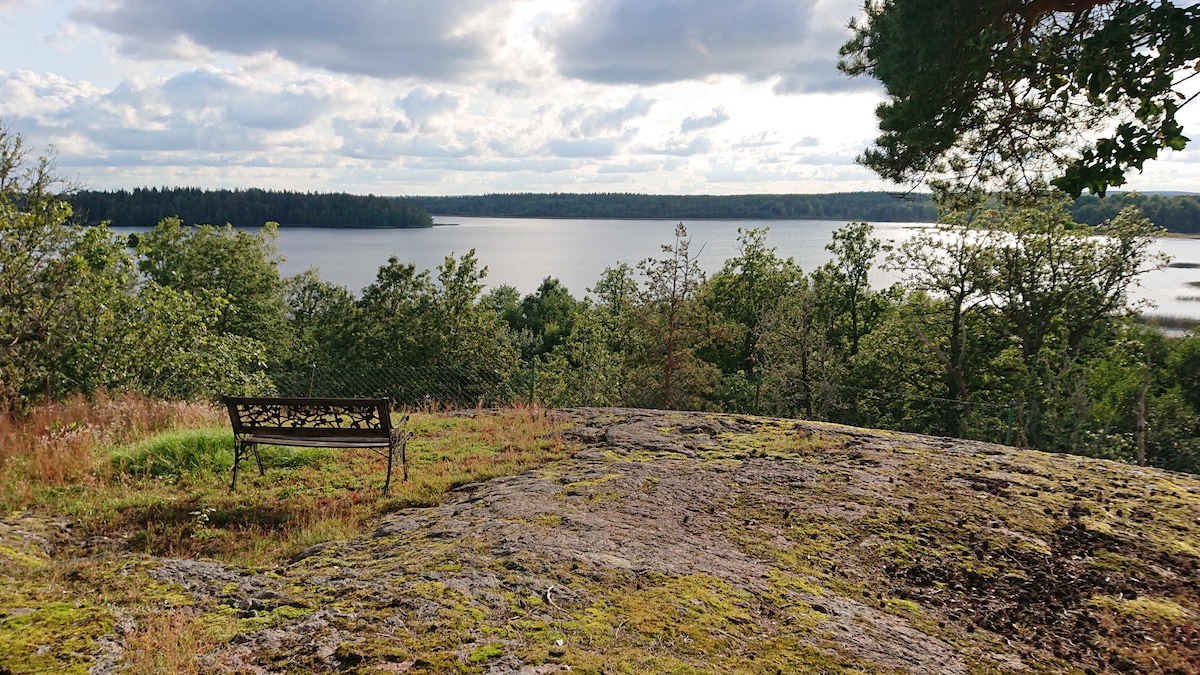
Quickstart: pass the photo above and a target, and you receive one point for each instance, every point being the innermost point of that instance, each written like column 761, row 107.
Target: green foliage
column 670, row 326
column 1006, row 94
column 408, row 318
column 878, row 206
column 747, row 288
column 240, row 265
column 177, row 452
column 75, row 317
column 952, row 262
column 583, row 369
column 546, row 316
column 322, row 318
column 56, row 279
column 166, row 344
column 844, row 282
column 145, row 207
column 1060, row 289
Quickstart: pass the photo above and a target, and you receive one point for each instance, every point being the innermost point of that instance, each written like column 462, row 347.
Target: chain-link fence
column 436, row 387
column 406, row 386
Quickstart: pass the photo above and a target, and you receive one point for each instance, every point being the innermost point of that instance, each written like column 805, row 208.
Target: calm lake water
column 523, row 251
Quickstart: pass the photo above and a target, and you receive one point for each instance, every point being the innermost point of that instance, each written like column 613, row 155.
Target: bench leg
column 237, row 457
column 404, row 457
column 388, row 482
column 239, row 453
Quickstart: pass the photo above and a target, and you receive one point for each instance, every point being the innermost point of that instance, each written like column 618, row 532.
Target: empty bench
column 316, row 423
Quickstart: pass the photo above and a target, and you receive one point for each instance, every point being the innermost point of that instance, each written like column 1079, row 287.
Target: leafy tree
column 582, row 369
column 546, row 315
column 75, row 318
column 464, row 333
column 394, row 317
column 845, row 282
column 671, row 325
column 323, row 318
column 58, row 281
column 1060, row 289
column 1184, row 362
column 163, row 343
column 896, row 378
column 953, row 262
column 1010, row 93
column 441, row 327
column 803, row 369
column 505, row 301
column 241, row 265
column 616, row 294
column 749, row 286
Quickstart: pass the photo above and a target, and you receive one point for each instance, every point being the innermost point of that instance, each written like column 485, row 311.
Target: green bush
column 194, row 451
column 178, row 452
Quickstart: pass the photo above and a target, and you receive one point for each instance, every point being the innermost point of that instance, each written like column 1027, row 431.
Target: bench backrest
column 310, row 417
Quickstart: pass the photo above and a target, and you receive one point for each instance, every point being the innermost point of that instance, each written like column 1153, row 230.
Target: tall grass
column 167, row 642
column 59, row 444
column 156, row 475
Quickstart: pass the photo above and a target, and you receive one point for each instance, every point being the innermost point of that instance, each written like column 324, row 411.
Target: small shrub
column 177, row 453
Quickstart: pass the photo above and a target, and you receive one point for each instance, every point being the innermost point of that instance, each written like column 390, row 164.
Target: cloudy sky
column 451, row 96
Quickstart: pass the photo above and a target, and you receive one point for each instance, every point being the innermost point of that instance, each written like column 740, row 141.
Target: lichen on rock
column 694, row 542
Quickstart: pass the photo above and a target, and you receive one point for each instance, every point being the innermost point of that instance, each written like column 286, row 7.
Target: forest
column 878, row 206
column 1009, row 324
column 145, row 207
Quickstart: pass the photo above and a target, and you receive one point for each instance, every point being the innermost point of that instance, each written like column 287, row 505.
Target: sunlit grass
column 157, row 480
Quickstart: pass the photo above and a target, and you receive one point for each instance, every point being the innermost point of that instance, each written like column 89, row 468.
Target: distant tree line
column 876, row 206
column 145, row 207
column 1175, row 213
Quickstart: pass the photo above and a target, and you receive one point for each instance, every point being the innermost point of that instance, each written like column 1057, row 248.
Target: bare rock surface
column 716, row 543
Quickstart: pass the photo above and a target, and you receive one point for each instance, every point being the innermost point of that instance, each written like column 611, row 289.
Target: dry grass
column 59, row 444
column 155, row 476
column 167, row 642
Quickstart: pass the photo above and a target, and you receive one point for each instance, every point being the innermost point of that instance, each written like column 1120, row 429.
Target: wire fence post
column 757, row 387
column 532, row 380
column 312, row 375
column 1012, row 409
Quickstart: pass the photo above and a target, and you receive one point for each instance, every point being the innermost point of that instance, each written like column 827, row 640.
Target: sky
column 421, row 97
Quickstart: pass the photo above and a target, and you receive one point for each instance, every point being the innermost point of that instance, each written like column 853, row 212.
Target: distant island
column 877, row 206
column 1175, row 212
column 144, row 207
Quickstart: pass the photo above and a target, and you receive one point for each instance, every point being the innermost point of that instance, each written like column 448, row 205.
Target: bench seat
column 315, row 423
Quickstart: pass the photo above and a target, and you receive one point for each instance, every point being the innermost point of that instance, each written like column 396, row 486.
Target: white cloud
column 585, row 120
column 204, row 110
column 397, row 39
column 465, row 96
column 679, row 146
column 656, row 41
column 717, row 117
column 423, row 103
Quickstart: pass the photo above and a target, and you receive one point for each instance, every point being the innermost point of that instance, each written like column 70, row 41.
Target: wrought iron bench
column 316, row 423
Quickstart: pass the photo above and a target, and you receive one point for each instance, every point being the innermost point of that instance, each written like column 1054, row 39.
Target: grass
column 59, row 445
column 156, row 476
column 152, row 478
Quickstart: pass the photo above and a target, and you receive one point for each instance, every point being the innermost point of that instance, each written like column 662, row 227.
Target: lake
column 523, row 251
